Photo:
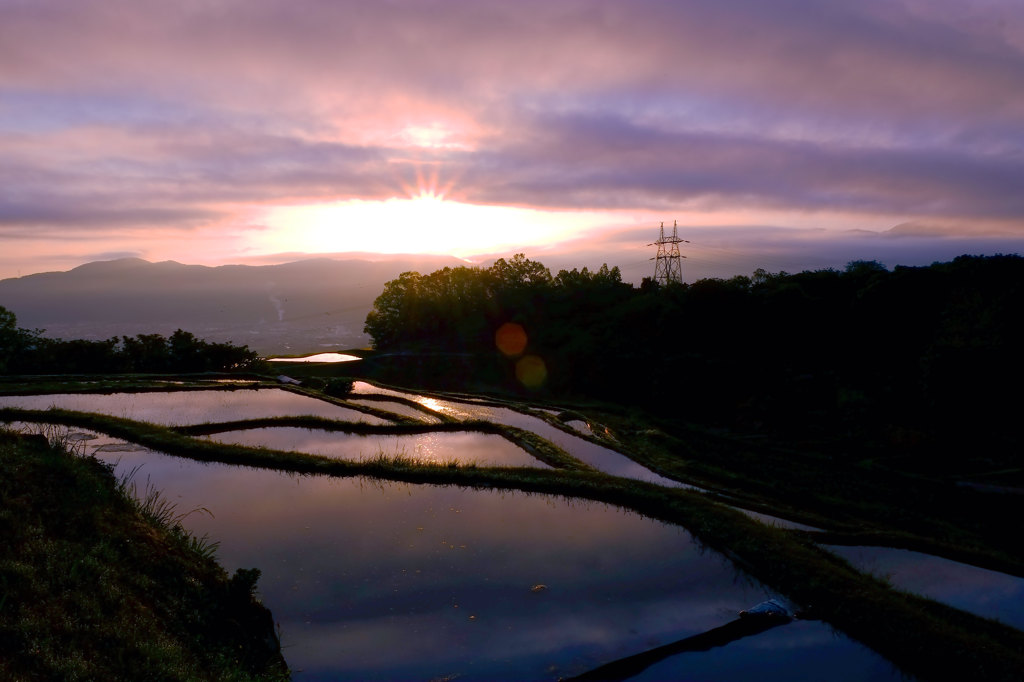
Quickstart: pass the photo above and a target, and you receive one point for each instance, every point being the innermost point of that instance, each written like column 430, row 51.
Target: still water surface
column 382, row 581
column 484, row 449
column 176, row 408
column 982, row 592
column 319, row 357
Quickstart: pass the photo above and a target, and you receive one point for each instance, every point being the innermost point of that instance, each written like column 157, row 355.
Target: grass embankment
column 95, row 585
column 922, row 637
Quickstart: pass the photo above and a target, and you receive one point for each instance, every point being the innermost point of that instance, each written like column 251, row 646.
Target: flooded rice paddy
column 985, row 593
column 376, row 580
column 464, row 447
column 319, row 357
column 195, row 407
column 175, row 408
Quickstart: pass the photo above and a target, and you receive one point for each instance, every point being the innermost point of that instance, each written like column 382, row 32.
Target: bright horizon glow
column 425, row 223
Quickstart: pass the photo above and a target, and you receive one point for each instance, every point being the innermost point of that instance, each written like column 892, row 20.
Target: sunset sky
column 787, row 134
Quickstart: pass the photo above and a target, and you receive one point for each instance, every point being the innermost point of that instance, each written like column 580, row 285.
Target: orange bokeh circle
column 510, row 338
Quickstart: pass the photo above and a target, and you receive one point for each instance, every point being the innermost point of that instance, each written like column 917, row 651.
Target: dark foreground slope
column 94, row 585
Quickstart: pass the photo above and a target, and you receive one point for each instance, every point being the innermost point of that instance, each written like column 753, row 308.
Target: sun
column 431, row 220
column 429, row 206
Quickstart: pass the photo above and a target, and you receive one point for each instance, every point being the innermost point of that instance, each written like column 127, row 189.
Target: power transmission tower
column 668, row 266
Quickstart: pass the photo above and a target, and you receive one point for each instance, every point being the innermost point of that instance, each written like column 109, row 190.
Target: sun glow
column 424, row 223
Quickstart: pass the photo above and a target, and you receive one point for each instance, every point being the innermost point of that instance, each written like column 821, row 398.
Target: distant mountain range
column 294, row 307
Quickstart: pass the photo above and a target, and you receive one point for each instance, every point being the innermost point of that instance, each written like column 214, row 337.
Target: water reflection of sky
column 601, row 458
column 192, row 407
column 389, row 581
column 978, row 590
column 485, row 449
column 319, row 357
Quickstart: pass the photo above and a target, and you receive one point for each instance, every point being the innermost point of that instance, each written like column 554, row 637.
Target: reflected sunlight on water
column 396, row 408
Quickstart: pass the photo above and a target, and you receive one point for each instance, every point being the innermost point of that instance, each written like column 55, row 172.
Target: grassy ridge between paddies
column 923, row 638
column 543, row 450
column 98, row 585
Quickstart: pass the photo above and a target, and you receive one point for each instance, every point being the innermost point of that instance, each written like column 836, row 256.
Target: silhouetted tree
column 27, row 352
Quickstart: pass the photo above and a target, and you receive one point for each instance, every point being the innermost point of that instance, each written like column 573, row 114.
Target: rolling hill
column 294, row 307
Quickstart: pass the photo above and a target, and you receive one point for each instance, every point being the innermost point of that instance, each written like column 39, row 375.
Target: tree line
column 459, row 308
column 899, row 352
column 25, row 351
